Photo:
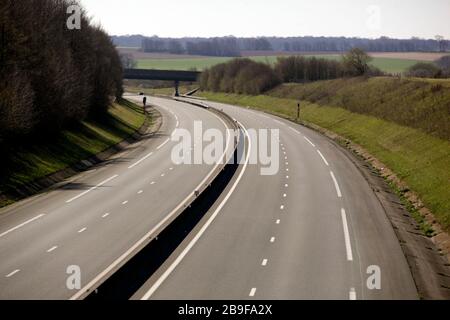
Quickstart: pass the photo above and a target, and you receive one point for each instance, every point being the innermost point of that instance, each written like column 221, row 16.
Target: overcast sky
column 249, row 18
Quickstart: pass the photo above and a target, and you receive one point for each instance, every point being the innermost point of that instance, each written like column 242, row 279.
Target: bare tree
column 356, row 62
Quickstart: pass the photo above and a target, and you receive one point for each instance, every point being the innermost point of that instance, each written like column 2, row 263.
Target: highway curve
column 96, row 218
column 312, row 231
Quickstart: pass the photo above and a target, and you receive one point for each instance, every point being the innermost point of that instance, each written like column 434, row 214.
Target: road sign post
column 298, row 111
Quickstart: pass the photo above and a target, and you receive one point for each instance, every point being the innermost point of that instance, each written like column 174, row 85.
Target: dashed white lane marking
column 162, row 144
column 140, row 191
column 278, row 221
column 264, row 263
column 170, row 168
column 284, row 195
column 323, row 158
column 22, row 224
column 272, row 240
column 352, row 294
column 336, row 185
column 140, row 160
column 125, row 202
column 52, row 249
column 105, row 215
column 92, row 188
column 295, row 130
column 310, row 142
column 287, row 163
column 287, row 169
column 348, row 245
column 252, row 292
column 163, row 174
column 82, row 230
column 286, row 185
column 287, row 177
column 281, row 207
column 153, row 182
column 9, row 275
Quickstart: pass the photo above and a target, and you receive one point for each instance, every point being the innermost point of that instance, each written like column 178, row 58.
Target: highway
column 312, row 231
column 99, row 217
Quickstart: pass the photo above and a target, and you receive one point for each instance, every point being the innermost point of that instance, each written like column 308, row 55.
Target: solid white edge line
column 352, row 294
column 336, row 185
column 177, row 261
column 92, row 188
column 21, row 225
column 163, row 144
column 278, row 121
column 116, row 262
column 295, row 130
column 310, row 142
column 139, row 161
column 323, row 158
column 348, row 245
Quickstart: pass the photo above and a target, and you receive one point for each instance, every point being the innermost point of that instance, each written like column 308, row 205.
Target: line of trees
column 222, row 47
column 250, row 77
column 233, row 46
column 52, row 76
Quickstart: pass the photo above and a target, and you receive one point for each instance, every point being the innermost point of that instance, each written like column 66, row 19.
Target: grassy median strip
column 419, row 159
column 30, row 160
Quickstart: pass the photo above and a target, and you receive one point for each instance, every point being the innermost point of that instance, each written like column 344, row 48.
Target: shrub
column 239, row 76
column 424, row 70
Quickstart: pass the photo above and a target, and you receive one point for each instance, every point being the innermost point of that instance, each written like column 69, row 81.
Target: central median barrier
column 127, row 274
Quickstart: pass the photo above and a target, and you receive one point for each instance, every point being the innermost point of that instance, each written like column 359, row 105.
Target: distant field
column 391, row 65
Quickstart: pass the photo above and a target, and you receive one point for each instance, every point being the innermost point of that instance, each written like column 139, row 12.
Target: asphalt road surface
column 315, row 230
column 99, row 215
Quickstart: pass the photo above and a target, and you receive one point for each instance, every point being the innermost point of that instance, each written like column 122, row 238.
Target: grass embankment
column 390, row 65
column 415, row 103
column 32, row 160
column 421, row 160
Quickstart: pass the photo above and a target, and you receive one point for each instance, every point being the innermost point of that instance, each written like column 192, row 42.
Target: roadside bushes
column 242, row 76
column 51, row 76
column 424, row 70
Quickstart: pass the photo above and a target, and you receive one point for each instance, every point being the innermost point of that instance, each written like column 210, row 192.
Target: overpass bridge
column 164, row 75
